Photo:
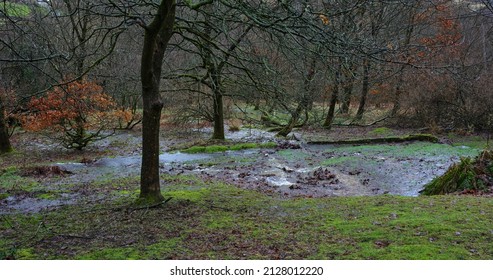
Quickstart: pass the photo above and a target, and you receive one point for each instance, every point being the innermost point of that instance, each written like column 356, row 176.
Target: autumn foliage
column 79, row 110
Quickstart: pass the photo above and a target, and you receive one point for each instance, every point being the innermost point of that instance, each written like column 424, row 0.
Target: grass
column 475, row 142
column 341, row 160
column 213, row 220
column 207, row 219
column 405, row 150
column 15, row 9
column 382, row 131
column 223, row 148
column 11, row 181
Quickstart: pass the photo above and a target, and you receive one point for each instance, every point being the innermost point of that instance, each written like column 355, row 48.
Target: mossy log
column 391, row 139
column 474, row 175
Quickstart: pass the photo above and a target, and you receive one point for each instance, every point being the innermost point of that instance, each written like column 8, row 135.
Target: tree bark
column 304, row 102
column 397, row 102
column 5, row 146
column 333, row 100
column 292, row 122
column 157, row 36
column 364, row 90
column 218, row 115
column 348, row 90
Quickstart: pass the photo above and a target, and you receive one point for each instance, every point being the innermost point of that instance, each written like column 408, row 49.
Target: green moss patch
column 417, row 149
column 223, row 148
column 207, row 219
column 12, row 181
column 15, row 9
column 469, row 175
column 383, row 131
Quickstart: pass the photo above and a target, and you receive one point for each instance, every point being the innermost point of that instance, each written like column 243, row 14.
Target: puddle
column 22, row 204
column 312, row 171
column 354, row 170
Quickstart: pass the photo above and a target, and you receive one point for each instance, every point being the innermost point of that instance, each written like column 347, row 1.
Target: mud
column 293, row 169
column 28, row 204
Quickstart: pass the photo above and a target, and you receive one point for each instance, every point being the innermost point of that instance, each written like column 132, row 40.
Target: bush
column 79, row 111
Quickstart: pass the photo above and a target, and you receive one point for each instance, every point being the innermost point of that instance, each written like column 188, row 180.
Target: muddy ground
column 293, row 169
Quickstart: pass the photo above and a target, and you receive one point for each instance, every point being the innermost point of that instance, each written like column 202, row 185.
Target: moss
column 417, row 149
column 127, row 192
column 112, row 254
column 223, row 148
column 11, row 180
column 15, row 9
column 163, row 249
column 150, row 199
column 472, row 141
column 220, row 220
column 193, row 195
column 210, row 219
column 294, row 154
column 382, row 131
column 48, row 196
column 3, row 196
column 339, row 160
column 25, row 254
column 468, row 174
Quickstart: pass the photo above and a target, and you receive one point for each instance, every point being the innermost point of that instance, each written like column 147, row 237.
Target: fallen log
column 384, row 140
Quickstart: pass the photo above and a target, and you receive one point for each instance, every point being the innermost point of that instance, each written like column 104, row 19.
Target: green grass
column 11, row 181
column 382, row 131
column 416, row 149
column 15, row 9
column 341, row 160
column 223, row 148
column 473, row 142
column 296, row 154
column 213, row 220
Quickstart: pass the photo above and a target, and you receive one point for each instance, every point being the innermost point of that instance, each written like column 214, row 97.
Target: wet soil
column 294, row 169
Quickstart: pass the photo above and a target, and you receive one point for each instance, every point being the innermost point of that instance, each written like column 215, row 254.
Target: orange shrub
column 80, row 110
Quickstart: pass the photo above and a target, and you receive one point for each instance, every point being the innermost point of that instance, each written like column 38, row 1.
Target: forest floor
column 292, row 201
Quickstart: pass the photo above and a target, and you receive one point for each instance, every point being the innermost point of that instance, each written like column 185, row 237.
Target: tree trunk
column 292, row 122
column 397, row 102
column 304, row 103
column 348, row 90
column 364, row 90
column 157, row 36
column 400, row 81
column 333, row 100
column 218, row 115
column 5, row 146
